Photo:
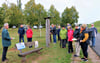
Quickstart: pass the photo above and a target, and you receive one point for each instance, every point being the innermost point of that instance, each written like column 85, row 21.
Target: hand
column 11, row 38
column 80, row 40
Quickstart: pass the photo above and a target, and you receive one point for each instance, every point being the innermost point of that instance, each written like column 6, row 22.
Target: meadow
column 52, row 54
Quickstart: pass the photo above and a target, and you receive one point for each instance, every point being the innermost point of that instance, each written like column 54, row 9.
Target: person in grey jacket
column 94, row 33
column 6, row 41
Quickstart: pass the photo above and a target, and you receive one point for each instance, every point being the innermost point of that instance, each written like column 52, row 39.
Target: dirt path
column 92, row 56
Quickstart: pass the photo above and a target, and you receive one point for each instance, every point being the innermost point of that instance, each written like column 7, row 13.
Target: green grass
column 53, row 54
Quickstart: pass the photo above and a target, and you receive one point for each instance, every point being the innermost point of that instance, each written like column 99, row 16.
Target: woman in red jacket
column 29, row 34
column 70, row 37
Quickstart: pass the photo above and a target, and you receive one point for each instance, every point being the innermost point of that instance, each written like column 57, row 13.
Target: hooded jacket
column 29, row 33
column 70, row 35
column 63, row 33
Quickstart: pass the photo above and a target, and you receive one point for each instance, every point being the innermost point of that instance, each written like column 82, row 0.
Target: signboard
column 20, row 46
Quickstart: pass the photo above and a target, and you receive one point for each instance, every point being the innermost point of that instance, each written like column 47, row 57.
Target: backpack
column 90, row 35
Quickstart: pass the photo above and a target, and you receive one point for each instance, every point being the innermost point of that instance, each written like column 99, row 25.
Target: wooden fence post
column 47, row 31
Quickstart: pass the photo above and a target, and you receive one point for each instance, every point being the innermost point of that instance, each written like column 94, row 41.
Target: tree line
column 34, row 14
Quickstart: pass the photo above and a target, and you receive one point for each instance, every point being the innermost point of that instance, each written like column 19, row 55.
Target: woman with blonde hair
column 84, row 36
column 70, row 37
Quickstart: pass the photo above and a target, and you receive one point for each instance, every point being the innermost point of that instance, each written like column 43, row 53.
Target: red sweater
column 29, row 33
column 70, row 35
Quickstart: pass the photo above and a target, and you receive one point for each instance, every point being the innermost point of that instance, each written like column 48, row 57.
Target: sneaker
column 85, row 60
column 82, row 58
column 76, row 56
column 4, row 61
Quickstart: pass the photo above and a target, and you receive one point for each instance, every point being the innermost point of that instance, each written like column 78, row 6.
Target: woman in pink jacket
column 70, row 37
column 29, row 34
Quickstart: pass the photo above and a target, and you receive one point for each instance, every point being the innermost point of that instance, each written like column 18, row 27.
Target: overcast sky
column 89, row 10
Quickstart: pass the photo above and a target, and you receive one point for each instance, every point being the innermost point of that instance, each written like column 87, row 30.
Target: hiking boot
column 30, row 46
column 85, row 60
column 76, row 56
column 4, row 61
column 82, row 58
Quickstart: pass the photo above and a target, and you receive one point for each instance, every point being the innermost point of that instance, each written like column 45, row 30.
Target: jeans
column 54, row 38
column 84, row 47
column 4, row 53
column 93, row 41
column 63, row 43
column 70, row 47
column 21, row 37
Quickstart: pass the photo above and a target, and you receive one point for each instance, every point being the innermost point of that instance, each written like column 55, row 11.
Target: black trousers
column 84, row 47
column 63, row 43
column 50, row 38
column 70, row 47
column 4, row 53
column 29, row 39
column 66, row 39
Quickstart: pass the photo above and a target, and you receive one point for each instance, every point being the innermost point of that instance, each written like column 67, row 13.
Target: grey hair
column 5, row 24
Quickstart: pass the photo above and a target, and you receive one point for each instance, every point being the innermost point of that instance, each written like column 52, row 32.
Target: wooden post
column 47, row 31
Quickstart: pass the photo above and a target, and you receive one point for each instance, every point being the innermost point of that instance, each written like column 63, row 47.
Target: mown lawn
column 53, row 54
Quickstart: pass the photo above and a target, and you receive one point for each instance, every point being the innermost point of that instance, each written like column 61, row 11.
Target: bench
column 23, row 55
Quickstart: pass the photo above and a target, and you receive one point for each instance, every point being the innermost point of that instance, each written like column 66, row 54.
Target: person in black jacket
column 84, row 41
column 77, row 44
column 21, row 33
column 54, row 32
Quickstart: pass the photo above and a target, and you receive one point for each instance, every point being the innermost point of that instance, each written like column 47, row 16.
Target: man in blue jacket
column 54, row 32
column 21, row 33
column 6, row 41
column 94, row 33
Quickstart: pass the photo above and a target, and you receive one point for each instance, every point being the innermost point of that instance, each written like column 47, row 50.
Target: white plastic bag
column 36, row 44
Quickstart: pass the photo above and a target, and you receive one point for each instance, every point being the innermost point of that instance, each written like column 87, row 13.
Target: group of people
column 82, row 34
column 65, row 35
column 29, row 34
column 6, row 39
